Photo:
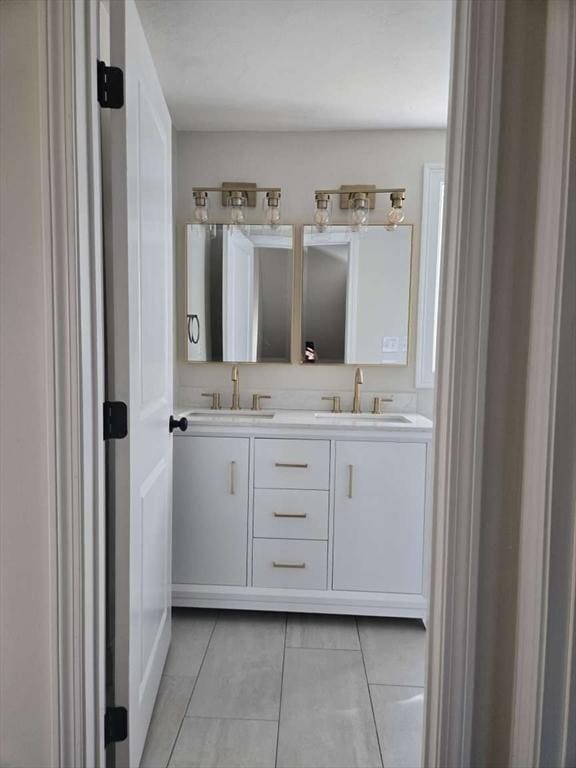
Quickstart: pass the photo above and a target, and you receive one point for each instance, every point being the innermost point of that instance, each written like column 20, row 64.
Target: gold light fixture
column 271, row 205
column 237, row 196
column 323, row 212
column 359, row 200
column 200, row 206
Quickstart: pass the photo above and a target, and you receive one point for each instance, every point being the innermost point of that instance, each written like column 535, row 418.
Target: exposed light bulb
column 323, row 211
column 200, row 214
column 358, row 217
column 237, row 215
column 321, row 219
column 273, row 217
column 271, row 205
column 395, row 217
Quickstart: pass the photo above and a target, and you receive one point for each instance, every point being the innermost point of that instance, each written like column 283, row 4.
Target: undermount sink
column 231, row 415
column 369, row 418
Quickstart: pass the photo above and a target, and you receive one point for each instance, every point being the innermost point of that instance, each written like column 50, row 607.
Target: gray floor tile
column 170, row 707
column 311, row 630
column 215, row 743
column 394, row 651
column 326, row 717
column 241, row 674
column 399, row 713
column 191, row 630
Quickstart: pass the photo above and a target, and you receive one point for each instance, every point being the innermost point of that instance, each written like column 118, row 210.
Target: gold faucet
column 358, row 379
column 236, row 389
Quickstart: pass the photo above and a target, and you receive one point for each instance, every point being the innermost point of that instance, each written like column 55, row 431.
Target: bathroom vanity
column 302, row 511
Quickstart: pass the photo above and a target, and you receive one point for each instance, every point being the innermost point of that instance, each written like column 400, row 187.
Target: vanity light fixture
column 200, row 207
column 236, row 200
column 358, row 200
column 272, row 208
column 237, row 196
column 358, row 209
column 396, row 214
column 323, row 212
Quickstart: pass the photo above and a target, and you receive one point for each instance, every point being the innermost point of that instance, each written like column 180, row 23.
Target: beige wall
column 300, row 163
column 28, row 683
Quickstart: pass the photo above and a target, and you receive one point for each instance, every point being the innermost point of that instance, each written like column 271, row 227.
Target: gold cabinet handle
column 350, row 480
column 288, row 565
column 232, row 478
column 290, row 514
column 294, row 466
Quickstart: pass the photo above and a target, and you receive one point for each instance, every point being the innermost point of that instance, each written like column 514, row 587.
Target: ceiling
column 284, row 65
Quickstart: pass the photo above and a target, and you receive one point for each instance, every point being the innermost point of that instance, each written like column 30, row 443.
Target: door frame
column 474, row 231
column 74, row 235
column 73, row 152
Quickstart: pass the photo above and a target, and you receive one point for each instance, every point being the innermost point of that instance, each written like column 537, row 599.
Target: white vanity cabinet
column 319, row 519
column 210, row 520
column 380, row 496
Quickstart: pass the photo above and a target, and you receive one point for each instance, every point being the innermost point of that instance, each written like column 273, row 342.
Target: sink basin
column 369, row 418
column 231, row 415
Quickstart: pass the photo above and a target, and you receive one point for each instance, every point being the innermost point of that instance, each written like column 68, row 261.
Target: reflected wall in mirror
column 356, row 294
column 238, row 293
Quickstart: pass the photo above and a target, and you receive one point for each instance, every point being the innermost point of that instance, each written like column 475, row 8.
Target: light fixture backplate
column 244, row 185
column 345, row 189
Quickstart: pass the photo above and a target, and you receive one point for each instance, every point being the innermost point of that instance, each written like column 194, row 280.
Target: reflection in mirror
column 356, row 294
column 239, row 293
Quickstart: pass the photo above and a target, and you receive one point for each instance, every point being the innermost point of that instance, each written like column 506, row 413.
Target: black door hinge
column 110, row 86
column 115, row 420
column 115, row 725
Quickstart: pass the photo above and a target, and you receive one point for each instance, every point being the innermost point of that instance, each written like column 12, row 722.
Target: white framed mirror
column 238, row 293
column 356, row 295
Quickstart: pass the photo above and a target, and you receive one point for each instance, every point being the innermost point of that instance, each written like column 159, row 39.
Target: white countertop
column 316, row 419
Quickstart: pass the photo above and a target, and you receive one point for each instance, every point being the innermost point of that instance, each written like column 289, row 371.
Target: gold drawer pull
column 350, row 480
column 294, row 466
column 288, row 565
column 232, row 478
column 290, row 514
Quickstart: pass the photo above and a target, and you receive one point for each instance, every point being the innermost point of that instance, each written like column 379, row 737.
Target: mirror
column 356, row 295
column 239, row 293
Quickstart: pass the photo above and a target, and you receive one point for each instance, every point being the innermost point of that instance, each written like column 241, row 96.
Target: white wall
column 301, row 163
column 28, row 683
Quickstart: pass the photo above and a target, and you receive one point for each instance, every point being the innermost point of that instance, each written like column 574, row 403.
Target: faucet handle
column 377, row 400
column 215, row 399
column 256, row 401
column 336, row 408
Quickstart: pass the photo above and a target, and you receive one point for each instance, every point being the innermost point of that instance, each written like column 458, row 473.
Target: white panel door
column 379, row 516
column 139, row 318
column 239, row 297
column 211, row 510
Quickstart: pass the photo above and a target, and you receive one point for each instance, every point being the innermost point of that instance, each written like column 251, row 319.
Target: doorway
column 307, row 646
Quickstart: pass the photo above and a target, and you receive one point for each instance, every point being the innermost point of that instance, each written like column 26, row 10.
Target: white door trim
column 541, row 454
column 459, row 408
column 74, row 245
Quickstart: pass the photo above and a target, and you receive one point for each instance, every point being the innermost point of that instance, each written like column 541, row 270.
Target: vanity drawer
column 290, row 514
column 298, row 464
column 289, row 564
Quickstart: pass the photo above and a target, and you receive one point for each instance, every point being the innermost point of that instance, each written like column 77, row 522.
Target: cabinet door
column 210, row 530
column 379, row 516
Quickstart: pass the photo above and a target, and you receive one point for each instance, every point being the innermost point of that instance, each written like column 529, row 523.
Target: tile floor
column 266, row 690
